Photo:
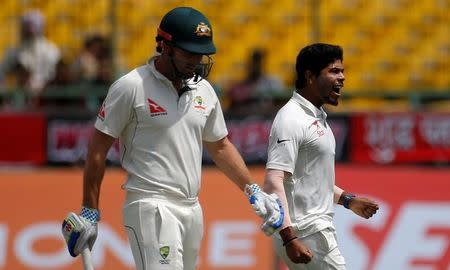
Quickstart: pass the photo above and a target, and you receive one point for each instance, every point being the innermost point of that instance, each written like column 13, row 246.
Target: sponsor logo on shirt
column 164, row 252
column 156, row 109
column 284, row 140
column 199, row 103
column 101, row 112
column 319, row 129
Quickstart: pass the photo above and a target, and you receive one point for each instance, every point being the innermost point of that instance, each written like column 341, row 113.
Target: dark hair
column 159, row 39
column 314, row 58
column 94, row 39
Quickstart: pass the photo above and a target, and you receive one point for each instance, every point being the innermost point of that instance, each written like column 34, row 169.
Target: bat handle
column 87, row 259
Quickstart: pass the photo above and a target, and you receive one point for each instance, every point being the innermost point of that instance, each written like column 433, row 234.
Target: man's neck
column 306, row 93
column 163, row 67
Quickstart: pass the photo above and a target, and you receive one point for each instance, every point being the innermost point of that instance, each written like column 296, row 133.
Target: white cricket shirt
column 302, row 143
column 161, row 133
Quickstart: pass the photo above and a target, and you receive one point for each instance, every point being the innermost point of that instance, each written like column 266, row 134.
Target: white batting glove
column 266, row 206
column 80, row 231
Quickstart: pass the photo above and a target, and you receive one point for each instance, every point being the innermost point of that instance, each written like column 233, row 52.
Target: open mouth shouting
column 336, row 93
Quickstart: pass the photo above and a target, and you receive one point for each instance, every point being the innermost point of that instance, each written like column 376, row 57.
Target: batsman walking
column 164, row 113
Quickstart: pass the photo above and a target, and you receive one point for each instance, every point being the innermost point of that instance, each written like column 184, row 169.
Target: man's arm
column 95, row 167
column 338, row 194
column 273, row 183
column 295, row 249
column 80, row 231
column 363, row 207
column 229, row 161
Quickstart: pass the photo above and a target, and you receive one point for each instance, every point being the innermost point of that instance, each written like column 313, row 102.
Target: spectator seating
column 392, row 45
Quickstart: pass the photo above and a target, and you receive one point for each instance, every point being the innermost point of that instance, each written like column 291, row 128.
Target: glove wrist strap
column 91, row 214
column 251, row 189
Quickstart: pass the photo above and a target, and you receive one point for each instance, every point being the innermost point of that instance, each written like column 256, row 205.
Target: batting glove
column 80, row 231
column 266, row 206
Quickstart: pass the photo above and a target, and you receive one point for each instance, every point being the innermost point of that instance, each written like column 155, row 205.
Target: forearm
column 273, row 183
column 230, row 162
column 337, row 194
column 92, row 179
column 363, row 207
column 95, row 168
column 342, row 197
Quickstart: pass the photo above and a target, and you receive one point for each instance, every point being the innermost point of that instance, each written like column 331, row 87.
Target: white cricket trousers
column 163, row 233
column 326, row 253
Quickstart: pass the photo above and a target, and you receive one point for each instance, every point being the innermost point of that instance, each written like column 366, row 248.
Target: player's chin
column 187, row 76
column 332, row 101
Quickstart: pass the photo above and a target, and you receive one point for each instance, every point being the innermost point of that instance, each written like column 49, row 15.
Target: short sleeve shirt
column 302, row 143
column 160, row 132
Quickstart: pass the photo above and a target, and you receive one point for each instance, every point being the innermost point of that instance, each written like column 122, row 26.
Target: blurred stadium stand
column 397, row 52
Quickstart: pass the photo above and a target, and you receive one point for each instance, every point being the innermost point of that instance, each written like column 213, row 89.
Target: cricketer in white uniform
column 163, row 113
column 300, row 165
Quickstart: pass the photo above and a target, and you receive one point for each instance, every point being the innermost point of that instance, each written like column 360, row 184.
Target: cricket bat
column 87, row 259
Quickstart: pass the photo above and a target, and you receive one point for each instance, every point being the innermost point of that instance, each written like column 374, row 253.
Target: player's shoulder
column 126, row 85
column 206, row 88
column 130, row 80
column 205, row 85
column 292, row 109
column 291, row 115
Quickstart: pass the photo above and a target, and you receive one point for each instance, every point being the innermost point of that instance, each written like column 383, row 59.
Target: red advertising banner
column 400, row 137
column 411, row 231
column 34, row 203
column 67, row 139
column 23, row 138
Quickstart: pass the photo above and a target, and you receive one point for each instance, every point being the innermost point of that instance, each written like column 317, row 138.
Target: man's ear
column 309, row 76
column 163, row 47
column 167, row 48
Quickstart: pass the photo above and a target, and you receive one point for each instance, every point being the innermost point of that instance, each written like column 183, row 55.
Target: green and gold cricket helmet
column 188, row 29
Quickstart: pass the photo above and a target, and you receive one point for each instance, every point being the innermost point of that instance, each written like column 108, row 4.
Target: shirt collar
column 306, row 104
column 153, row 70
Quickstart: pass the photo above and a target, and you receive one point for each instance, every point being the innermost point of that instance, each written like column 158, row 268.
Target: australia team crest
column 164, row 253
column 199, row 104
column 203, row 30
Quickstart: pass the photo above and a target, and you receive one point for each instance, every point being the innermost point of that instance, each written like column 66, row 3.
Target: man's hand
column 363, row 207
column 80, row 231
column 266, row 206
column 295, row 249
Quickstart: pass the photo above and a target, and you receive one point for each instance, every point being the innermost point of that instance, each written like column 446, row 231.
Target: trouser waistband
column 134, row 196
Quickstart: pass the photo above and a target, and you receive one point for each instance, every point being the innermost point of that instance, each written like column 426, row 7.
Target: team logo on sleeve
column 156, row 109
column 164, row 252
column 101, row 112
column 199, row 104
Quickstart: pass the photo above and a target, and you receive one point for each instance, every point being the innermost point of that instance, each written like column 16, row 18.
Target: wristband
column 91, row 214
column 289, row 241
column 347, row 197
column 287, row 235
